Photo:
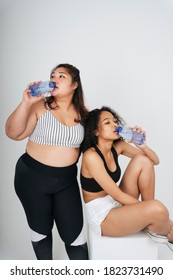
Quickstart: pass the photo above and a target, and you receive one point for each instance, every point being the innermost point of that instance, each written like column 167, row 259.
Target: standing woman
column 46, row 174
column 112, row 209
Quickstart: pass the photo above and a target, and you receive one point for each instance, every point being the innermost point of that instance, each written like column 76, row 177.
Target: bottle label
column 42, row 88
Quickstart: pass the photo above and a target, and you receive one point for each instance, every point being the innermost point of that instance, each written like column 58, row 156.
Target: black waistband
column 70, row 170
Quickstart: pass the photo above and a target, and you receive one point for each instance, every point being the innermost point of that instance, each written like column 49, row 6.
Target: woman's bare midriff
column 88, row 196
column 52, row 155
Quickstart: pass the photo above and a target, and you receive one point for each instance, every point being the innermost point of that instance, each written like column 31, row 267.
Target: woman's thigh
column 31, row 188
column 128, row 219
column 68, row 213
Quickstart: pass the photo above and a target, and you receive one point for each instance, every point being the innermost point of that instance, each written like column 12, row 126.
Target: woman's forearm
column 122, row 197
column 126, row 199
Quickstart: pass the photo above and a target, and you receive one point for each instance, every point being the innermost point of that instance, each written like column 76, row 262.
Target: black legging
column 51, row 194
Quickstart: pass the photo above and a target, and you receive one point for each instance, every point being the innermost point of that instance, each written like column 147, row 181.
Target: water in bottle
column 131, row 135
column 42, row 88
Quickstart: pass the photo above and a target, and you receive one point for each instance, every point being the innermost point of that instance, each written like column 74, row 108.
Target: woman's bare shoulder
column 90, row 155
column 39, row 107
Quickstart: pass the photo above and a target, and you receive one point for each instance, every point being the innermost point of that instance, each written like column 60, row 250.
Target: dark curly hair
column 91, row 126
column 78, row 97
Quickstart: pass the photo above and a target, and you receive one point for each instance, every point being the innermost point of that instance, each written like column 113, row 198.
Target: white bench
column 137, row 246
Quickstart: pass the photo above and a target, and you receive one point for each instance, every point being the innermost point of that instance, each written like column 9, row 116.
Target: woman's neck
column 105, row 147
column 64, row 104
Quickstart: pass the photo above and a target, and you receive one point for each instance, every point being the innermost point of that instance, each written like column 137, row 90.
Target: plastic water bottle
column 42, row 88
column 131, row 135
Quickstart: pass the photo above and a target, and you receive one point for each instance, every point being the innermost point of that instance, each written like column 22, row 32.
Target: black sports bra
column 91, row 185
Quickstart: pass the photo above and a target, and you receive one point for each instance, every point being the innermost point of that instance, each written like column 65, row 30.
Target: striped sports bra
column 49, row 131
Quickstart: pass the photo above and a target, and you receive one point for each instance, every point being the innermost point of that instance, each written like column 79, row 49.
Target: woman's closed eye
column 107, row 122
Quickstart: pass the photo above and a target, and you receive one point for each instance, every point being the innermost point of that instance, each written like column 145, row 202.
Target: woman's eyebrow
column 105, row 119
column 63, row 73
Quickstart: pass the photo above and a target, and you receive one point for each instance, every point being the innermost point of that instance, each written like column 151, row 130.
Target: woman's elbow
column 11, row 133
column 157, row 161
column 8, row 132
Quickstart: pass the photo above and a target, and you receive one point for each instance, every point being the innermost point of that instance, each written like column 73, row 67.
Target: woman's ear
column 75, row 85
column 96, row 133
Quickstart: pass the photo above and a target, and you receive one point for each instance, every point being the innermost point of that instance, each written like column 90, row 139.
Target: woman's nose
column 114, row 124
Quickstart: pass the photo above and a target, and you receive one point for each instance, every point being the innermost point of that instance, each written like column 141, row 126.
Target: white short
column 97, row 210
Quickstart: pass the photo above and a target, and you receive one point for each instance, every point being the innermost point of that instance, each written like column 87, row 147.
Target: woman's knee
column 143, row 161
column 80, row 239
column 37, row 236
column 159, row 210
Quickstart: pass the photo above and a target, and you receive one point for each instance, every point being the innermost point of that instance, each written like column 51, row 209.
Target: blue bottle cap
column 118, row 129
column 52, row 84
column 31, row 88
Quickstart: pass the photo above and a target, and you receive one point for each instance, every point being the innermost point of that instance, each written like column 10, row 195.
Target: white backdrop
column 124, row 52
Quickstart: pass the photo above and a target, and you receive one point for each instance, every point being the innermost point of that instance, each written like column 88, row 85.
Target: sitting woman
column 113, row 210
